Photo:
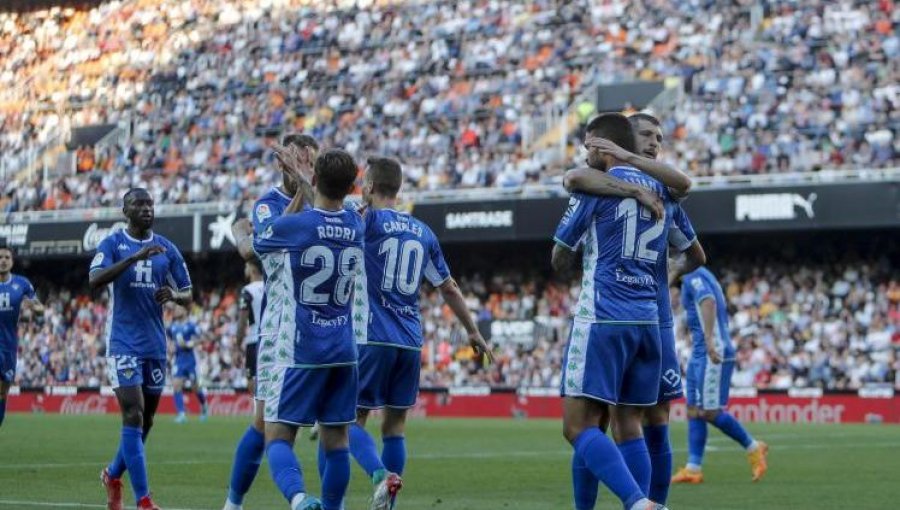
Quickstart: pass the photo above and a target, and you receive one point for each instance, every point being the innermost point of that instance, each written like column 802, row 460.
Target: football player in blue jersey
column 186, row 335
column 316, row 268
column 142, row 271
column 16, row 294
column 681, row 236
column 295, row 157
column 709, row 376
column 401, row 253
column 614, row 346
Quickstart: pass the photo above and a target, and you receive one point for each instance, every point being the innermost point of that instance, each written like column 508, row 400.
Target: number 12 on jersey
column 636, row 246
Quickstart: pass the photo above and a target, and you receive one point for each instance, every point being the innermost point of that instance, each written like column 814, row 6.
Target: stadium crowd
column 830, row 326
column 456, row 90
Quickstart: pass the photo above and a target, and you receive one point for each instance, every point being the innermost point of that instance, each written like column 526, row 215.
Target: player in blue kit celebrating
column 16, row 294
column 185, row 334
column 401, row 252
column 681, row 236
column 614, row 346
column 318, row 261
column 293, row 195
column 709, row 376
column 142, row 271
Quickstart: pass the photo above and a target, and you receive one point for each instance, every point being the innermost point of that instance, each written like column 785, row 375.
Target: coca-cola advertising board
column 762, row 408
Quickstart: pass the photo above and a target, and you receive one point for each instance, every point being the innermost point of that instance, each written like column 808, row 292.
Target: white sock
column 753, row 447
column 641, row 505
column 231, row 506
column 296, row 500
column 693, row 467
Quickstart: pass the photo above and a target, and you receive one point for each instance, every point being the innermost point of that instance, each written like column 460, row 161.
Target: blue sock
column 336, row 479
column 117, row 466
column 320, row 460
column 393, row 453
column 733, row 429
column 637, row 458
column 201, row 396
column 179, row 401
column 285, row 469
column 247, row 459
column 584, row 484
column 605, row 461
column 2, row 410
column 696, row 441
column 657, row 438
column 133, row 451
column 362, row 446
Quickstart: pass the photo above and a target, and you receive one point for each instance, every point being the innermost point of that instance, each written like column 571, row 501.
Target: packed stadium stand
column 467, row 94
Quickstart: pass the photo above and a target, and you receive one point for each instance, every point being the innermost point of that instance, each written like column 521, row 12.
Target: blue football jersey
column 182, row 334
column 622, row 245
column 401, row 252
column 134, row 326
column 695, row 287
column 268, row 208
column 681, row 236
column 12, row 293
column 318, row 274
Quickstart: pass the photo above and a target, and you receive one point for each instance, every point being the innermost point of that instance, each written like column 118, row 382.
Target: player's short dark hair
column 300, row 140
column 615, row 127
column 635, row 118
column 335, row 173
column 386, row 176
column 133, row 191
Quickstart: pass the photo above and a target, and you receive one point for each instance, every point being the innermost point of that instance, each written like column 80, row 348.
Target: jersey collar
column 152, row 236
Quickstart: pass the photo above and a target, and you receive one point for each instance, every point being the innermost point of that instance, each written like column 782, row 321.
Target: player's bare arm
column 676, row 181
column 693, row 258
column 102, row 277
column 243, row 238
column 243, row 325
column 455, row 300
column 168, row 294
column 594, row 182
column 708, row 315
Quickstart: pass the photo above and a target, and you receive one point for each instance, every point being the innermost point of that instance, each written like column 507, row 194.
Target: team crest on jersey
column 263, row 212
column 98, row 259
column 697, row 283
column 123, row 247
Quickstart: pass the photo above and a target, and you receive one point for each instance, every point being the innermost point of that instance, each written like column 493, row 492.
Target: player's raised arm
column 677, row 182
column 595, row 182
column 297, row 165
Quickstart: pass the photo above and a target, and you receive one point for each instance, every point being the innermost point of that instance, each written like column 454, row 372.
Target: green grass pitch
column 53, row 462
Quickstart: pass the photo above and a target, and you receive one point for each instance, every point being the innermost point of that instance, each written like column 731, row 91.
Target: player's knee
column 362, row 416
column 693, row 412
column 711, row 415
column 394, row 423
column 571, row 431
column 133, row 416
column 657, row 415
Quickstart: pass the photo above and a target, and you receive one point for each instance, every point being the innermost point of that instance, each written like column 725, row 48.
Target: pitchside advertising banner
column 826, row 206
column 804, row 406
